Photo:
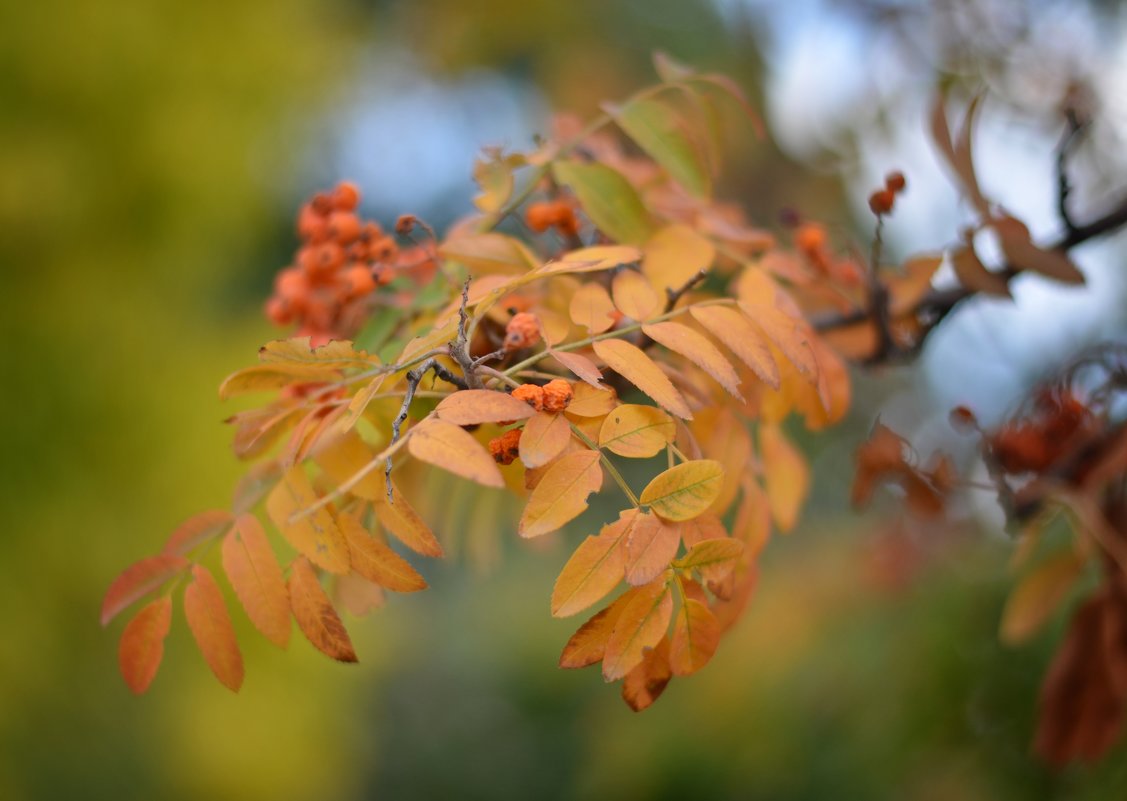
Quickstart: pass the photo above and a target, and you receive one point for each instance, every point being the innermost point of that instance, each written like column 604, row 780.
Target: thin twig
column 674, row 295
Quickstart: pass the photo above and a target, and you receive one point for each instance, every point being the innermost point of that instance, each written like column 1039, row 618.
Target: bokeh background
column 151, row 158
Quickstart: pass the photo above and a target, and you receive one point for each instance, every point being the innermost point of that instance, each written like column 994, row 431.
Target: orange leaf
column 543, row 439
column 344, row 456
column 646, row 682
column 472, row 406
column 674, row 255
column 401, row 519
column 650, row 546
column 591, row 307
column 637, row 431
column 696, row 634
column 742, row 338
column 697, row 349
column 315, row 615
column 316, row 535
column 138, row 580
column 142, row 644
column 589, row 643
column 196, row 530
column 588, row 401
column 684, row 491
column 632, row 363
column 714, row 558
column 787, row 334
column 445, row 445
column 642, row 624
column 562, row 493
column 357, row 595
column 788, row 477
column 211, row 627
column 597, row 565
column 703, row 527
column 634, row 296
column 252, row 569
column 376, row 562
column 582, row 367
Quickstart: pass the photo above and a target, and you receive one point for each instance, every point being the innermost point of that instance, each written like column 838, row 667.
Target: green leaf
column 609, row 200
column 663, row 133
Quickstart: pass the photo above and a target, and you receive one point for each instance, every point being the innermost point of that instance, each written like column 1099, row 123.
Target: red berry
column 895, row 181
column 346, row 196
column 344, row 226
column 360, row 280
column 882, row 201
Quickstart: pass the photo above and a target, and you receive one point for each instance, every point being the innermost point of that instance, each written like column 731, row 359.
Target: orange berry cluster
column 882, row 201
column 506, row 447
column 543, row 215
column 552, row 397
column 341, row 261
column 523, row 331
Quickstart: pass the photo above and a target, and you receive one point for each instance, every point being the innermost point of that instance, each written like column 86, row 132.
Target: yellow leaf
column 589, row 401
column 338, row 353
column 634, row 296
column 376, row 562
column 264, row 377
column 1033, row 600
column 637, row 431
column 543, row 438
column 643, row 622
column 344, row 456
column 635, row 366
column 651, row 545
column 787, row 334
column 211, row 627
column 360, row 401
column 684, row 491
column 489, row 253
column 597, row 565
column 696, row 634
column 592, row 259
column 316, row 535
column 697, row 349
column 742, row 338
column 401, row 519
column 713, row 558
column 445, row 445
column 472, row 406
column 591, row 307
column 674, row 255
column 252, row 569
column 562, row 493
column 315, row 615
column 788, row 477
column 588, row 645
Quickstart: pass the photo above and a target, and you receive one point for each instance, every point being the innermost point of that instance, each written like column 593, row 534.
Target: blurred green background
column 151, row 158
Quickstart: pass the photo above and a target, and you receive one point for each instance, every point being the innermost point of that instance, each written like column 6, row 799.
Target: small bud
column 405, row 224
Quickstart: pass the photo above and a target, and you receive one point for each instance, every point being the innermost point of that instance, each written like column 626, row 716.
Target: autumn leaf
column 632, row 363
column 641, row 625
column 197, row 530
column 587, row 401
column 714, row 559
column 595, row 568
column 636, row 431
column 650, row 546
column 742, row 338
column 588, row 645
column 1038, row 594
column 644, row 684
column 343, row 456
column 297, row 351
column 358, row 596
column 138, row 580
column 684, row 491
column 696, row 348
column 211, row 627
column 787, row 334
column 581, row 366
column 142, row 644
column 315, row 534
column 634, row 296
column 608, row 199
column 562, row 493
column 252, row 569
column 592, row 259
column 489, row 253
column 696, row 634
column 400, row 518
column 674, row 255
column 543, row 438
column 591, row 307
column 315, row 615
column 378, row 563
column 266, row 377
column 972, row 273
column 659, row 129
column 788, row 476
column 451, row 448
column 474, row 406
